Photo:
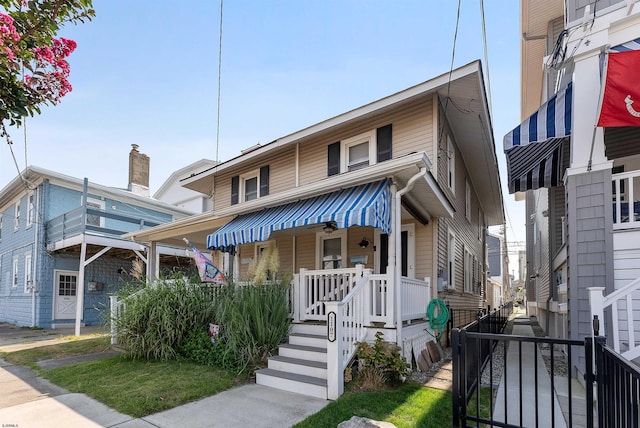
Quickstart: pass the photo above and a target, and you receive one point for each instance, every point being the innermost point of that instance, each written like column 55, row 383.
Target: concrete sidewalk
column 509, row 389
column 27, row 400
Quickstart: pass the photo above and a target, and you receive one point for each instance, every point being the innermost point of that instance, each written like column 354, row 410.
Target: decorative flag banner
column 621, row 99
column 208, row 272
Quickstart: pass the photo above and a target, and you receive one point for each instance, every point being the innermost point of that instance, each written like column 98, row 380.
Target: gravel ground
column 494, row 374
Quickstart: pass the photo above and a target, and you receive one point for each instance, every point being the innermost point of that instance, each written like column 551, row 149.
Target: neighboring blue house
column 58, row 231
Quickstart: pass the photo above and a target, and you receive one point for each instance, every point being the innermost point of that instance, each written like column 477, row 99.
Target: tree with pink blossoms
column 33, row 61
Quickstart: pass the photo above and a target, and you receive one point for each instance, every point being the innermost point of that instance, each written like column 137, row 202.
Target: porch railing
column 623, row 302
column 319, row 286
column 626, row 210
column 414, row 295
column 346, row 324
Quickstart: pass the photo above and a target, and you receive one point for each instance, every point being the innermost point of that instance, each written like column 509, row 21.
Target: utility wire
column 219, row 83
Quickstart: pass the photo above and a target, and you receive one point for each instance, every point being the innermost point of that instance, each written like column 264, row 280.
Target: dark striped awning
column 365, row 205
column 534, row 148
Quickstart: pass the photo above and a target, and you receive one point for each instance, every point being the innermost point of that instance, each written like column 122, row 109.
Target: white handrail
column 346, row 322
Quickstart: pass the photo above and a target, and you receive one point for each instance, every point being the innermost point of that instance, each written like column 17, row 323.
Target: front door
column 66, row 287
column 407, row 248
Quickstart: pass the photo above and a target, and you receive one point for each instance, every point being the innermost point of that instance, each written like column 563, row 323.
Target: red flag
column 621, row 100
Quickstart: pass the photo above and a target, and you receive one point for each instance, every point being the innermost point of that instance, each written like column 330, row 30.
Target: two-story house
column 581, row 180
column 60, row 252
column 374, row 212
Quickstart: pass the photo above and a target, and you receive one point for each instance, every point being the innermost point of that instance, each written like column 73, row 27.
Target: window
column 14, row 276
column 451, row 268
column 0, row 227
column 30, row 210
column 332, row 250
column 468, row 271
column 451, row 165
column 359, row 151
column 250, row 186
column 67, row 285
column 16, row 217
column 467, row 200
column 28, row 281
column 95, row 219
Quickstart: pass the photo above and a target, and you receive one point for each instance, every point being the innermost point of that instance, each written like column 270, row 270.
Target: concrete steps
column 301, row 365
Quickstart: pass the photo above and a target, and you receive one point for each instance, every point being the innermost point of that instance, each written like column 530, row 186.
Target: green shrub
column 157, row 319
column 254, row 321
column 198, row 348
column 380, row 363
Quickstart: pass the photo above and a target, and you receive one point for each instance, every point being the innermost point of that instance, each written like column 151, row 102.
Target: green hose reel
column 438, row 315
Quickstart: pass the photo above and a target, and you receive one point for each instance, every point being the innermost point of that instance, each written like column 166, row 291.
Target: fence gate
column 516, row 389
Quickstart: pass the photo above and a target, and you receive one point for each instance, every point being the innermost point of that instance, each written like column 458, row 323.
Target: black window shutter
column 333, row 164
column 383, row 139
column 235, row 186
column 264, row 181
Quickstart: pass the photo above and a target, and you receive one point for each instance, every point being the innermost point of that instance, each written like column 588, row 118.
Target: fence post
column 302, row 295
column 588, row 379
column 601, row 380
column 113, row 307
column 297, row 292
column 456, row 387
column 335, row 371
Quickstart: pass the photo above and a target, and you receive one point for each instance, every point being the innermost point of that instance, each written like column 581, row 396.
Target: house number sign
column 331, row 326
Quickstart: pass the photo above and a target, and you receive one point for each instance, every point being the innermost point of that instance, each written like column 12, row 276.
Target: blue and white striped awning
column 365, row 205
column 551, row 120
column 534, row 149
column 633, row 45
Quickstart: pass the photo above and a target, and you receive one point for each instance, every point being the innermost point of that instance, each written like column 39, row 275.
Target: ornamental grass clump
column 380, row 364
column 155, row 320
column 254, row 321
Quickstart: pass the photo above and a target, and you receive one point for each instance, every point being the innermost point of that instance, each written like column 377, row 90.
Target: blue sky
column 146, row 72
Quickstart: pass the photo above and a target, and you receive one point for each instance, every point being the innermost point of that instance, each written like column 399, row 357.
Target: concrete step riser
column 298, row 368
column 308, row 341
column 292, row 386
column 309, row 329
column 303, row 355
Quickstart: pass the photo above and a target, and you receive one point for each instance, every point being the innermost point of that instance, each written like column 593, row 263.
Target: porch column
column 391, row 266
column 153, row 268
column 83, row 256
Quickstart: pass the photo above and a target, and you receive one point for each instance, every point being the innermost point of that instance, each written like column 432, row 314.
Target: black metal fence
column 618, row 389
column 532, row 381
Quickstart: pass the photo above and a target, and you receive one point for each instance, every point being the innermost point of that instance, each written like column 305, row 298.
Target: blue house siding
column 15, row 244
column 52, row 200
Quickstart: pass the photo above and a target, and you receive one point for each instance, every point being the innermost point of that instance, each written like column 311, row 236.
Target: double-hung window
column 451, row 165
column 249, row 186
column 28, row 281
column 16, row 217
column 14, row 276
column 359, row 151
column 468, row 271
column 30, row 210
column 451, row 259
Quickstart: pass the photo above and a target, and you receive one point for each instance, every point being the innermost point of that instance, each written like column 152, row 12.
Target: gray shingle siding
column 590, row 246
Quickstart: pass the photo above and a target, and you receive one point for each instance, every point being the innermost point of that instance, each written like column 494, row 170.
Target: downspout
column 397, row 228
column 34, row 260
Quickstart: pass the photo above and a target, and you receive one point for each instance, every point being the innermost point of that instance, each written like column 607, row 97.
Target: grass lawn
column 139, row 388
column 411, row 405
column 136, row 388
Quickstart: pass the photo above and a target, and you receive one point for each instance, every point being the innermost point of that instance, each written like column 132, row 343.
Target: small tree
column 33, row 66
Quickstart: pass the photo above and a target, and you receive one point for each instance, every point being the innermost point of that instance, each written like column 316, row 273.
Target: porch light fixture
column 364, row 243
column 329, row 227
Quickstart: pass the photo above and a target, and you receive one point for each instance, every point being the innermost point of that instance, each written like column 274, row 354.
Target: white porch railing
column 415, row 296
column 346, row 323
column 622, row 303
column 626, row 210
column 318, row 286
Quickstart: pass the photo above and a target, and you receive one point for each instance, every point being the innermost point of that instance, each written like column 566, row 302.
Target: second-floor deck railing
column 97, row 221
column 626, row 208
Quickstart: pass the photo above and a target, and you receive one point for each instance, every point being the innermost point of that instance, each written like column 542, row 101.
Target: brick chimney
column 138, row 172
